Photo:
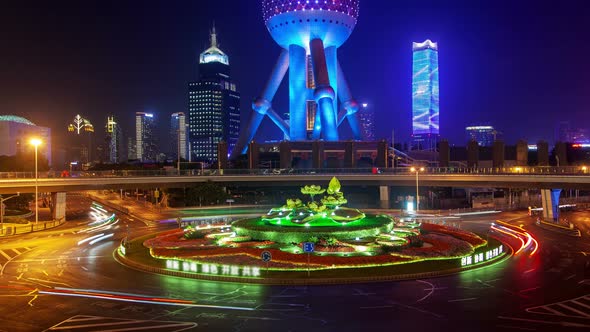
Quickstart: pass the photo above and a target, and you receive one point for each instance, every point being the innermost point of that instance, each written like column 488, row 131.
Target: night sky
column 519, row 65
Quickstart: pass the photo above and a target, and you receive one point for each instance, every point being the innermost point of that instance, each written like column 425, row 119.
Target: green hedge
column 260, row 231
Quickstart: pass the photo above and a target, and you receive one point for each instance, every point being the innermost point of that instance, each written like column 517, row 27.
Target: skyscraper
column 80, row 148
column 214, row 105
column 425, row 95
column 145, row 141
column 367, row 121
column 114, row 142
column 483, row 135
column 178, row 136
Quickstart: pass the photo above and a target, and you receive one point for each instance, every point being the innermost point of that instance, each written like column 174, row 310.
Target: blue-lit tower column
column 425, row 100
column 309, row 32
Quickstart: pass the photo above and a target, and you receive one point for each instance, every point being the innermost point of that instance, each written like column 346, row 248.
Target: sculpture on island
column 328, row 210
column 310, row 33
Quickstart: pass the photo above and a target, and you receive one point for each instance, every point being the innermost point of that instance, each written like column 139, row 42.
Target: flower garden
column 342, row 238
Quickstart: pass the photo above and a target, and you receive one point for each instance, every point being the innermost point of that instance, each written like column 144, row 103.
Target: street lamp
column 417, row 171
column 2, row 210
column 36, row 142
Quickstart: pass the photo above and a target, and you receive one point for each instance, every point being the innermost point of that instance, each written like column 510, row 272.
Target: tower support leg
column 324, row 94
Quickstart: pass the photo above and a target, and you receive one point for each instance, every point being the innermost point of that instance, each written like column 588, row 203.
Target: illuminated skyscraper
column 425, row 95
column 310, row 33
column 367, row 121
column 214, row 105
column 178, row 136
column 80, row 148
column 145, row 141
column 114, row 142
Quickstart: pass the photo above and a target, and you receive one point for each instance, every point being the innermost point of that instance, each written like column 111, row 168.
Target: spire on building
column 213, row 53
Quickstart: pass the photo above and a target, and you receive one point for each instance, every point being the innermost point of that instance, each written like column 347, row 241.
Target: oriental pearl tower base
column 310, row 33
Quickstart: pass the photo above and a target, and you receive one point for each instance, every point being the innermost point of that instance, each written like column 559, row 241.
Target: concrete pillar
column 317, row 154
column 472, row 154
column 58, row 206
column 285, row 154
column 561, row 154
column 550, row 201
column 522, row 153
column 498, row 154
column 349, row 155
column 542, row 153
column 222, row 155
column 384, row 197
column 253, row 155
column 381, row 160
column 444, row 153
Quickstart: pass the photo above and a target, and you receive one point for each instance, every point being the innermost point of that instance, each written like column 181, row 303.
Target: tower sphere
column 296, row 22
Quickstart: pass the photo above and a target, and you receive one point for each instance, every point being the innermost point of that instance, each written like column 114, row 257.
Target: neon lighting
column 214, row 269
column 482, row 256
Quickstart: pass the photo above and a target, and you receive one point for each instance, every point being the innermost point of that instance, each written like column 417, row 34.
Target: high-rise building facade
column 145, row 140
column 80, row 145
column 483, row 135
column 114, row 141
column 367, row 121
column 16, row 133
column 425, row 95
column 214, row 105
column 178, row 135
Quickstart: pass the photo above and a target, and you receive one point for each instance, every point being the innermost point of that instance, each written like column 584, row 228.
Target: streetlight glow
column 36, row 142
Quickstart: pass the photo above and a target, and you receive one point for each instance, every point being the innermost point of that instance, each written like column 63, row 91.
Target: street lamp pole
column 36, row 142
column 416, row 170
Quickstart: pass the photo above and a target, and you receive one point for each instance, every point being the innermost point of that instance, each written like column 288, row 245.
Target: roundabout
column 312, row 243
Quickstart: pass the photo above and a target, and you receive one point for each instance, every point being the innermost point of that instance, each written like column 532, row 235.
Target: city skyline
column 487, row 75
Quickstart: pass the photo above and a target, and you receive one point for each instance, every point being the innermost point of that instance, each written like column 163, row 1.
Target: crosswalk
column 97, row 323
column 578, row 308
column 6, row 255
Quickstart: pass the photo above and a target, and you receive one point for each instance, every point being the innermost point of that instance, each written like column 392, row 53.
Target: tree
column 205, row 194
column 312, row 190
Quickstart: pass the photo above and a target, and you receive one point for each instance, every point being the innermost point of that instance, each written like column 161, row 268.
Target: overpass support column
column 253, row 155
column 58, row 206
column 550, row 200
column 285, row 154
column 384, row 197
column 317, row 149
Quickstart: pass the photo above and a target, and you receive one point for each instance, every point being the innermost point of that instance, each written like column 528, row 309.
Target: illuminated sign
column 213, row 269
column 481, row 257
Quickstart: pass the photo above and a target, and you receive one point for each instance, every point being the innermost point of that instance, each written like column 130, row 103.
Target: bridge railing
column 517, row 170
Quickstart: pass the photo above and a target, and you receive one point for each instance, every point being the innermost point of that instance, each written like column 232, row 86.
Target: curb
column 302, row 281
column 559, row 229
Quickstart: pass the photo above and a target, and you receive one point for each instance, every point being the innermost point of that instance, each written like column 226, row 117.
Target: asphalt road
column 545, row 292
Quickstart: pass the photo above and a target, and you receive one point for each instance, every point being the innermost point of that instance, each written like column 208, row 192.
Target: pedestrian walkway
column 9, row 229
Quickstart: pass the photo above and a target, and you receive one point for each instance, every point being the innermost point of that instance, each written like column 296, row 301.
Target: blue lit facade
column 213, row 106
column 483, row 135
column 309, row 33
column 425, row 94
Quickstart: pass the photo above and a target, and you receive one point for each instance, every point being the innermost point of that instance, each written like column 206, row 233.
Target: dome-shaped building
column 16, row 133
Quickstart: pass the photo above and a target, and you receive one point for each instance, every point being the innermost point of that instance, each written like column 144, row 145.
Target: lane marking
column 467, row 299
column 583, row 314
column 5, row 254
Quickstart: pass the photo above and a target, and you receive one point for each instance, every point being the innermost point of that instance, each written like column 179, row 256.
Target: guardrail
column 517, row 170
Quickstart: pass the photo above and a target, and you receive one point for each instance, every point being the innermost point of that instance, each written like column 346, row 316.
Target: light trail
column 526, row 239
column 126, row 297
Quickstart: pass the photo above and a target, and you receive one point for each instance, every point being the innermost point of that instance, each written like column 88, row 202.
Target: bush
column 415, row 241
column 193, row 235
